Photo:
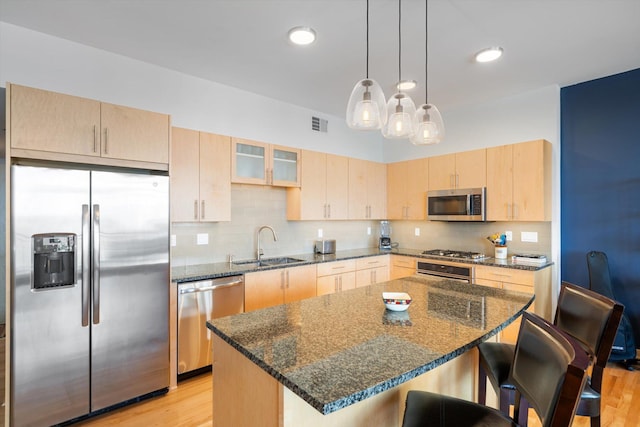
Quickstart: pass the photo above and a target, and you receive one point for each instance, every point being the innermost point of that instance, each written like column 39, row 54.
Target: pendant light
column 400, row 107
column 427, row 121
column 366, row 109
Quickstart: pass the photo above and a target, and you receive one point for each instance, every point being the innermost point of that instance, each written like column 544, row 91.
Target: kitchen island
column 344, row 360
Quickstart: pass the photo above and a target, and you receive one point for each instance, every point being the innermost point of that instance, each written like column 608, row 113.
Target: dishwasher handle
column 211, row 288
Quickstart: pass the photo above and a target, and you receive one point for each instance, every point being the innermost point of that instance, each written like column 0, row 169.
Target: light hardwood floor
column 190, row 405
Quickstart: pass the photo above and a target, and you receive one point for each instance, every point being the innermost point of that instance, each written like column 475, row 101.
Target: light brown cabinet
column 372, row 270
column 402, row 266
column 254, row 162
column 367, row 189
column 274, row 287
column 531, row 282
column 336, row 276
column 53, row 126
column 467, row 169
column 322, row 194
column 200, row 176
column 519, row 182
column 407, row 185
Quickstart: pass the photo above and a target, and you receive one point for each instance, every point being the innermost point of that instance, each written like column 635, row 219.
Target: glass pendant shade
column 427, row 125
column 366, row 109
column 400, row 110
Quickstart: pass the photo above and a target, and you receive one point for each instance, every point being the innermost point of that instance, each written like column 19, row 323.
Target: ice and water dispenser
column 53, row 260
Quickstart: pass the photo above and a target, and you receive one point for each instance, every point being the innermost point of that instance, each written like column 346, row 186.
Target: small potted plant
column 499, row 241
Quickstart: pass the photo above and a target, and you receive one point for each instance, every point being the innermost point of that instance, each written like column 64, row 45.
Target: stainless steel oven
column 462, row 273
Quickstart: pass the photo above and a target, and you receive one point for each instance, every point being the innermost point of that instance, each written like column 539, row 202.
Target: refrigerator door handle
column 86, row 268
column 96, row 265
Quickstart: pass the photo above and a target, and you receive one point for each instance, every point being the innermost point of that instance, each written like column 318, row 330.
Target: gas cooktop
column 448, row 253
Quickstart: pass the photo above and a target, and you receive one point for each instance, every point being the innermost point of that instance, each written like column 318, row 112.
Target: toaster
column 325, row 246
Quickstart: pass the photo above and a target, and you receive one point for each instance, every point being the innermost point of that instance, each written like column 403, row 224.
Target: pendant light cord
column 367, row 39
column 426, row 51
column 399, row 43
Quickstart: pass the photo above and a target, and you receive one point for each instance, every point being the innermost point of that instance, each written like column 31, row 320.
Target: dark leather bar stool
column 590, row 318
column 548, row 369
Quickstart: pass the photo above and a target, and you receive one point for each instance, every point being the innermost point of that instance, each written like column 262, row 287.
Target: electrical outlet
column 202, row 239
column 368, row 231
column 417, row 231
column 173, row 240
column 529, row 236
column 319, row 232
column 509, row 235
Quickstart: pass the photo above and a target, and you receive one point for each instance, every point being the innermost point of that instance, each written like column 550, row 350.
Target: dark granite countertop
column 338, row 349
column 192, row 273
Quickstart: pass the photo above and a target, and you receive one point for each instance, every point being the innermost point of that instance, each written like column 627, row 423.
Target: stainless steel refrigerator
column 89, row 291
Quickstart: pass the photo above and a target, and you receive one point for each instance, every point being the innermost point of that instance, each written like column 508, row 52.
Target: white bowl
column 396, row 301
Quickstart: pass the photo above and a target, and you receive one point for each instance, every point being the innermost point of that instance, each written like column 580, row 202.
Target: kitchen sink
column 269, row 262
column 278, row 261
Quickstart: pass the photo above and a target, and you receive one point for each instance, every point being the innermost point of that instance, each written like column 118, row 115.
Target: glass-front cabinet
column 260, row 163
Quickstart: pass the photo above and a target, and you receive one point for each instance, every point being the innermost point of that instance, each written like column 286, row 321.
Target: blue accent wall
column 600, row 183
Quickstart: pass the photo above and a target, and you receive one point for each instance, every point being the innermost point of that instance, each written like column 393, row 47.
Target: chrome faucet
column 260, row 252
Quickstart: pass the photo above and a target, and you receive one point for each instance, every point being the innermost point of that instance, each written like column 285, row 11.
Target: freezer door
column 130, row 300
column 50, row 346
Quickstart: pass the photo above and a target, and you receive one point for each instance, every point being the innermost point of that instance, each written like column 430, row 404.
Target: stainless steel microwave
column 461, row 204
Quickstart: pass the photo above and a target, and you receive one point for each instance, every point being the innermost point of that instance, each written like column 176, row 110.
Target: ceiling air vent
column 318, row 124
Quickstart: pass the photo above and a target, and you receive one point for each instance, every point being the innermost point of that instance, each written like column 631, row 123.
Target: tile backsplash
column 253, row 206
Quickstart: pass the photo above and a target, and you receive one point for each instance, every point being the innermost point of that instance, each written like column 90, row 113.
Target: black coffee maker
column 385, row 235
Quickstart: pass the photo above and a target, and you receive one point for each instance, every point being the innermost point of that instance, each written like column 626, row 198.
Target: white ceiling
column 242, row 43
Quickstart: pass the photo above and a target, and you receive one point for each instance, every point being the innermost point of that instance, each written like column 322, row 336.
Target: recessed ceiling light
column 302, row 35
column 489, row 54
column 406, row 85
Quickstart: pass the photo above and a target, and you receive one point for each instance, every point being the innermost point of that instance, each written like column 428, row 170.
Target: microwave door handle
column 468, row 204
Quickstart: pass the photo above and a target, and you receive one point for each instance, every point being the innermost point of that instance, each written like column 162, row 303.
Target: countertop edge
column 200, row 272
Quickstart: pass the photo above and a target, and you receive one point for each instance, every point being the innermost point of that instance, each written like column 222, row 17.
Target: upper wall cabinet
column 367, row 189
column 254, row 162
column 323, row 194
column 407, row 185
column 52, row 126
column 467, row 169
column 519, row 182
column 200, row 176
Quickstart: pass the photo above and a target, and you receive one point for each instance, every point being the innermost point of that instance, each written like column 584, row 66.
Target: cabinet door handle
column 509, row 211
column 340, row 283
column 329, row 206
column 335, row 284
column 95, row 138
column 106, row 140
column 287, row 280
column 515, row 212
column 195, row 209
column 202, row 210
column 282, row 280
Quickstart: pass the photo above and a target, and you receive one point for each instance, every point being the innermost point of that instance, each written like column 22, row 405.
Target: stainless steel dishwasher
column 197, row 303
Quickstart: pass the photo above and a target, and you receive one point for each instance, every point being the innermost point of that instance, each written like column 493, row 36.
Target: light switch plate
column 202, row 239
column 173, row 240
column 368, row 231
column 509, row 235
column 319, row 233
column 529, row 236
column 417, row 231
